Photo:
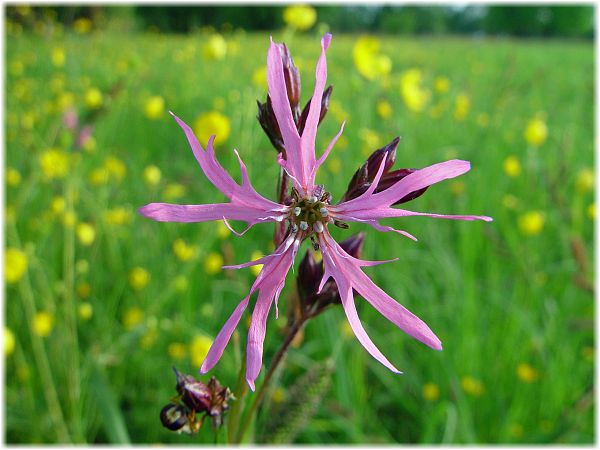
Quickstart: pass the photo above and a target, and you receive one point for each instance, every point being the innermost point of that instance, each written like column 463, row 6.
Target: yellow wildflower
column 65, row 100
column 441, row 84
column 259, row 77
column 82, row 25
column 43, row 323
column 213, row 263
column 93, row 98
column 9, row 341
column 86, row 233
column 431, row 392
column 183, row 251
column 15, row 264
column 138, row 278
column 215, row 48
column 85, row 311
column 117, row 216
column 115, row 167
column 99, row 176
column 54, row 163
column 210, row 123
column 300, row 17
column 531, row 223
column 154, row 107
column 83, row 289
column 591, row 211
column 384, row 109
column 132, row 317
column 174, row 191
column 461, row 106
column 253, row 257
column 512, row 166
column 472, row 386
column 536, row 132
column 58, row 57
column 152, row 175
column 58, row 205
column 413, row 94
column 199, row 348
column 368, row 60
column 13, row 177
column 176, row 350
column 526, row 373
column 69, row 218
column 585, row 180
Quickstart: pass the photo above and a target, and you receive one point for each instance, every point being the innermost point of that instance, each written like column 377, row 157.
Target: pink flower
column 310, row 214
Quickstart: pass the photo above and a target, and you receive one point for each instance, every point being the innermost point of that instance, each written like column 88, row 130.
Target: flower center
column 309, row 214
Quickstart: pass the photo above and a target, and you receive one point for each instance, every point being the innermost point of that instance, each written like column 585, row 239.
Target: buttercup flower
column 308, row 214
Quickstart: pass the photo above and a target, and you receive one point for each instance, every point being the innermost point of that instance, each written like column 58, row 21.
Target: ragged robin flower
column 308, row 215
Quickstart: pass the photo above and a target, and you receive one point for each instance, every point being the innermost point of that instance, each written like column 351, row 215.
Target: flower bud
column 310, row 273
column 324, row 108
column 292, row 80
column 268, row 122
column 365, row 174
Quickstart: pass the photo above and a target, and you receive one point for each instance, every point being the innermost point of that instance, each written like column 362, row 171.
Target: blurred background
column 100, row 302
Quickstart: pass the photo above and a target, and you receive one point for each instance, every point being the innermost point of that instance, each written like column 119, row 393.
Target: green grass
column 495, row 296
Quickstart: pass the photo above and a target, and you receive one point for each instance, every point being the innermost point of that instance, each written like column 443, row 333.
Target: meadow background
column 100, row 302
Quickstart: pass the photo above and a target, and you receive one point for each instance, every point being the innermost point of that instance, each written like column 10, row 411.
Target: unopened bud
column 268, row 122
column 366, row 173
column 324, row 109
column 292, row 80
column 310, row 273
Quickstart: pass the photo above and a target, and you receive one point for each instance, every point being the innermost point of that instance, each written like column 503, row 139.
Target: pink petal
column 256, row 336
column 168, row 212
column 348, row 275
column 309, row 135
column 323, row 157
column 423, row 178
column 300, row 158
column 359, row 331
column 222, row 339
column 211, row 168
column 281, row 108
column 413, row 182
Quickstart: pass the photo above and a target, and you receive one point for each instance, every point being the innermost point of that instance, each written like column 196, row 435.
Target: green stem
column 241, row 388
column 73, row 373
column 41, row 359
column 277, row 359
